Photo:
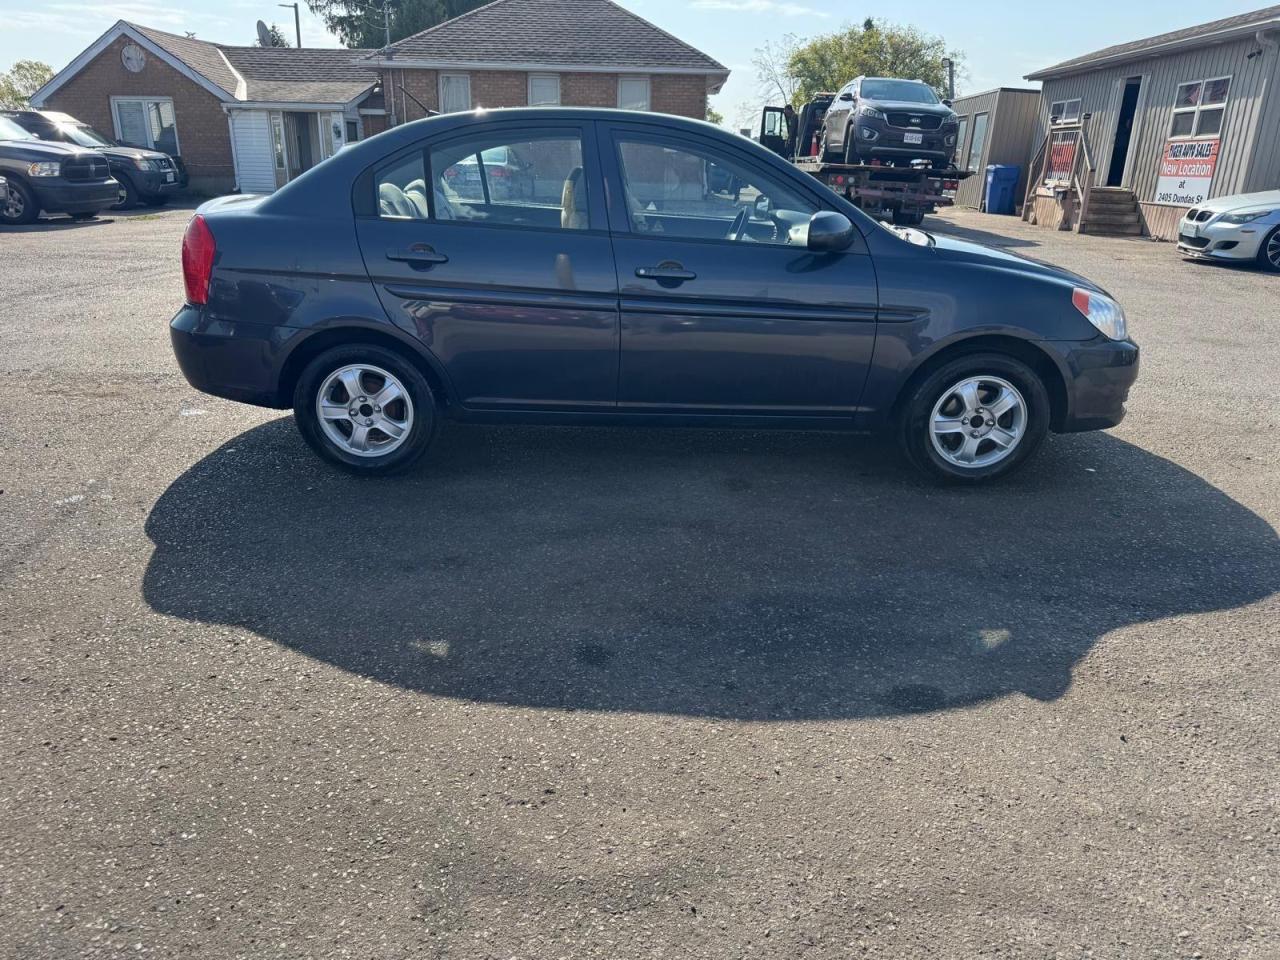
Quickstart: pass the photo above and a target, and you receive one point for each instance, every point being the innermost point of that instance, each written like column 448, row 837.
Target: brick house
column 253, row 118
column 516, row 53
column 241, row 118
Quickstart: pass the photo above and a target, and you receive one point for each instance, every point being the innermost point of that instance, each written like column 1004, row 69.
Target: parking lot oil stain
column 915, row 698
column 593, row 654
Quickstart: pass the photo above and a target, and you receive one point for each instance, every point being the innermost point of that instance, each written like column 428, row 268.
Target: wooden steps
column 1113, row 211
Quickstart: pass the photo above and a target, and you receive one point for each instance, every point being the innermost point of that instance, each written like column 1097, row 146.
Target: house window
column 544, row 89
column 633, row 93
column 455, row 92
column 961, row 130
column 1198, row 108
column 1067, row 111
column 979, row 140
column 353, row 131
column 146, row 122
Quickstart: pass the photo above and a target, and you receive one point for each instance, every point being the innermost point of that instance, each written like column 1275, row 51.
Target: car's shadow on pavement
column 744, row 575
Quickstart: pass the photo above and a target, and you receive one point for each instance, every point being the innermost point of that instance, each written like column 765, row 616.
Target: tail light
column 498, row 172
column 198, row 249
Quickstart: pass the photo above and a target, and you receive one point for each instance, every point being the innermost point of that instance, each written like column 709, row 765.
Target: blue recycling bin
column 1002, row 184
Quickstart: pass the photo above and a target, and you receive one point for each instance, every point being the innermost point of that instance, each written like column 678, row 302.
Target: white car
column 1243, row 227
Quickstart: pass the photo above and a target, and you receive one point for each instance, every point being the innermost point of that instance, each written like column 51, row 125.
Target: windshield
column 907, row 91
column 11, row 131
column 84, row 135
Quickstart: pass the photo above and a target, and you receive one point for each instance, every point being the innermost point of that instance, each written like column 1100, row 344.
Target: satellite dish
column 264, row 35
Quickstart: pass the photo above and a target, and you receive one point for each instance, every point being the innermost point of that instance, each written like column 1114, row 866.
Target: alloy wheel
column 1273, row 250
column 14, row 205
column 364, row 410
column 978, row 422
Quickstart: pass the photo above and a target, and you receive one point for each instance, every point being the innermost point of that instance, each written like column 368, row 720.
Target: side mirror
column 946, row 103
column 762, row 206
column 829, row 231
column 845, row 96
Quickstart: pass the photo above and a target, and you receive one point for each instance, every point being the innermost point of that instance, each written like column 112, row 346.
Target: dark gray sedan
column 629, row 286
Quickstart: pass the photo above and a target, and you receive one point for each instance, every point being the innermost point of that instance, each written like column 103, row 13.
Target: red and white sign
column 1186, row 171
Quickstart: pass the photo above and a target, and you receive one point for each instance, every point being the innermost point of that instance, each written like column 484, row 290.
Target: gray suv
column 892, row 121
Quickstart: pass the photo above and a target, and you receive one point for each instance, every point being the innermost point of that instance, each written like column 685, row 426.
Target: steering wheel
column 738, row 229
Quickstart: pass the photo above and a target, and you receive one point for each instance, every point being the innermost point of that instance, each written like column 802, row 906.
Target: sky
column 1001, row 41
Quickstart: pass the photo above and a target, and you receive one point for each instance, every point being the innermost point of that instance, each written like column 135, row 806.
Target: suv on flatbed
column 146, row 176
column 891, row 121
column 54, row 177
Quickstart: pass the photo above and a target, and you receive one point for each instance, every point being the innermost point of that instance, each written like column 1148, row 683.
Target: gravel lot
column 631, row 694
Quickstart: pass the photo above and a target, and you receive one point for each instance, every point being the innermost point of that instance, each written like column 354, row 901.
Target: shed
column 1171, row 120
column 996, row 126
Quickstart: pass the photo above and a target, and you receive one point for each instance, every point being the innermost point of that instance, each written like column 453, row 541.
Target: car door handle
column 417, row 254
column 665, row 271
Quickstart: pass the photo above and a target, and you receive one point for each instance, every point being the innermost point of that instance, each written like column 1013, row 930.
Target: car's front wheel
column 365, row 408
column 975, row 418
column 1269, row 252
column 18, row 205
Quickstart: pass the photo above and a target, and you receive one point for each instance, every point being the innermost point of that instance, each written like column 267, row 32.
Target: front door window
column 679, row 190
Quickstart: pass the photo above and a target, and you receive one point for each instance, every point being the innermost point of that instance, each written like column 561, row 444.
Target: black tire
column 422, row 428
column 850, row 148
column 155, row 200
column 915, row 429
column 19, row 206
column 128, row 194
column 1269, row 258
column 827, row 155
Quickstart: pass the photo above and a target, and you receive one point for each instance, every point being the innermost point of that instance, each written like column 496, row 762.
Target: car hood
column 131, row 153
column 1243, row 202
column 41, row 150
column 934, row 109
column 966, row 250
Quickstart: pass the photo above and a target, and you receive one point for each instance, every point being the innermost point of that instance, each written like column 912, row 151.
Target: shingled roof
column 271, row 74
column 1228, row 28
column 519, row 34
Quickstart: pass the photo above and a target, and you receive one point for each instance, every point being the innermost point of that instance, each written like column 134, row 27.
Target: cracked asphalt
column 631, row 693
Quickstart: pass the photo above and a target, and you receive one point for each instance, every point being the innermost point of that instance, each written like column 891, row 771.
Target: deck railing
column 1063, row 166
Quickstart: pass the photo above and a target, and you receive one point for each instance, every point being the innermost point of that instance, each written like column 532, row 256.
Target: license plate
column 913, row 138
column 168, row 178
column 472, row 173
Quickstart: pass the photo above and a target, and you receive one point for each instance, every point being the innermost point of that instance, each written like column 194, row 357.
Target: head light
column 1246, row 217
column 142, row 163
column 45, row 168
column 1103, row 312
column 872, row 112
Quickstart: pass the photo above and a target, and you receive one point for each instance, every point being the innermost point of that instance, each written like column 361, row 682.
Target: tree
column 793, row 72
column 359, row 23
column 278, row 39
column 20, row 82
column 714, row 116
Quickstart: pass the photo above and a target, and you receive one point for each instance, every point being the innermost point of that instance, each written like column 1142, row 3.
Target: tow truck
column 902, row 194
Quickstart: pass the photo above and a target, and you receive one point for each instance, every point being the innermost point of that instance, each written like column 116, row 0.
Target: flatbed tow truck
column 903, row 194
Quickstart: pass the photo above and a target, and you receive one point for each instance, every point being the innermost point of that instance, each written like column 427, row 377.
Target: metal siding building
column 1243, row 49
column 1012, row 116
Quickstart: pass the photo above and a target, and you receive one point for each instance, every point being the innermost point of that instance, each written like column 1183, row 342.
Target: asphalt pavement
column 619, row 693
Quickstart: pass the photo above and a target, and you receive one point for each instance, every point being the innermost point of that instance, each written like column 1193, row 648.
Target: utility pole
column 951, row 77
column 297, row 21
column 386, row 20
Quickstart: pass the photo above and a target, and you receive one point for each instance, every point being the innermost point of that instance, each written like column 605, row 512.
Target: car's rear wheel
column 17, row 205
column 1269, row 252
column 365, row 408
column 975, row 418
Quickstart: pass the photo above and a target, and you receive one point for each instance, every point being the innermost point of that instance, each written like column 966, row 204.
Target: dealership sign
column 1186, row 171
